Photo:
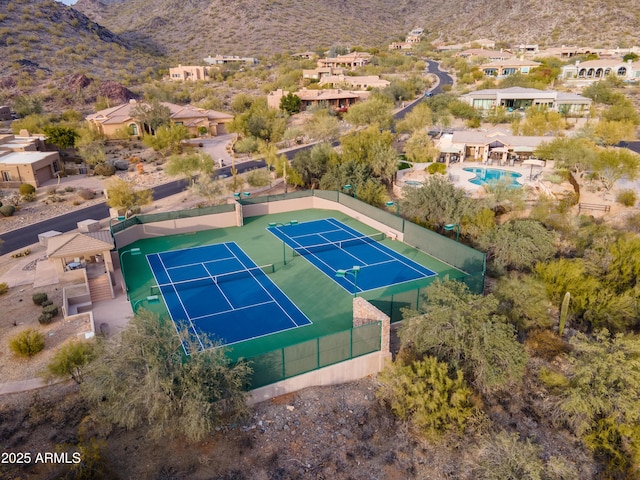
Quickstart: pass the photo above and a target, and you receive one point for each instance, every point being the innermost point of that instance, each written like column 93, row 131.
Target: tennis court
column 217, row 290
column 332, row 246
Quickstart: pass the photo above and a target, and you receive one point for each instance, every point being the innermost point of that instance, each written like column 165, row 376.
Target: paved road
column 28, row 235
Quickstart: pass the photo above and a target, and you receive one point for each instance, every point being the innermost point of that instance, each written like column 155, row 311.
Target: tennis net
column 342, row 244
column 214, row 279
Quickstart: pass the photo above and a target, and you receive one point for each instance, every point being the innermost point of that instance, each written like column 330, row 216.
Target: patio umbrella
column 534, row 162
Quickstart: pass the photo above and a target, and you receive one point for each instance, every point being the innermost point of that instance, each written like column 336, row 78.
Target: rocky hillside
column 192, row 29
column 43, row 42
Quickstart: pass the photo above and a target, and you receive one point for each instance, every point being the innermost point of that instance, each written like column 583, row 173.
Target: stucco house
column 519, row 98
column 362, row 82
column 484, row 54
column 334, row 98
column 113, row 119
column 497, row 146
column 595, row 70
column 23, row 161
column 188, row 73
column 503, row 68
column 350, row 60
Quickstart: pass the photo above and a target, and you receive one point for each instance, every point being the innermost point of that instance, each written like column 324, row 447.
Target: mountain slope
column 192, row 29
column 44, row 40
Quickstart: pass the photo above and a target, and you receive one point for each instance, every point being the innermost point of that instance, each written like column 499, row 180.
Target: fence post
column 351, row 343
column 318, row 354
column 283, row 368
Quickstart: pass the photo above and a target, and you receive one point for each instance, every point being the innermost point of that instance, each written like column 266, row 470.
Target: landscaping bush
column 258, row 178
column 69, row 189
column 27, row 343
column 627, row 197
column 4, row 288
column 46, row 303
column 45, row 318
column 29, row 197
column 7, row 210
column 86, row 194
column 246, row 145
column 39, row 298
column 104, row 169
column 437, row 168
column 50, row 309
column 27, row 189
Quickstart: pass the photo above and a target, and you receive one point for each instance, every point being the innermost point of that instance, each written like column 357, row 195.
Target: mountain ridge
column 194, row 28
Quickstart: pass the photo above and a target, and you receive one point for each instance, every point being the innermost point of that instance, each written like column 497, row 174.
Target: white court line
column 312, row 234
column 200, row 263
column 263, row 288
column 217, row 286
column 397, row 259
column 233, row 309
column 183, row 307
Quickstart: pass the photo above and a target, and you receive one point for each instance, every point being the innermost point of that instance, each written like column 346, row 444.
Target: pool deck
column 461, row 178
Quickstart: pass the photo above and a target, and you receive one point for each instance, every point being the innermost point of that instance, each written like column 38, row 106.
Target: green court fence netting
column 314, row 354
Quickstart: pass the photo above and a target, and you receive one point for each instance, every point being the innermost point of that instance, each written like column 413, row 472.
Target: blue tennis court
column 330, row 245
column 217, row 290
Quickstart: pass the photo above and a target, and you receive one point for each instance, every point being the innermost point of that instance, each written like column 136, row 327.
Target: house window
column 133, row 129
column 6, row 176
column 622, row 71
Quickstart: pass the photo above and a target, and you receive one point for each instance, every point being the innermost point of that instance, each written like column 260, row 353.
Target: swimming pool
column 492, row 175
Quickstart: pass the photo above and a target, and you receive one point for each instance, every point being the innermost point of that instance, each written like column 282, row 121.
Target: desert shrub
column 546, row 344
column 29, row 197
column 45, row 318
column 258, row 178
column 246, row 145
column 26, row 189
column 633, row 222
column 4, row 288
column 86, row 194
column 437, row 168
column 69, row 189
column 104, row 169
column 425, row 393
column 27, row 343
column 23, row 253
column 51, row 309
column 627, row 197
column 39, row 298
column 46, row 302
column 7, row 210
column 71, row 360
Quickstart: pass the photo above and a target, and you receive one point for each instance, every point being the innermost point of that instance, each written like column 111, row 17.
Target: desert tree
column 123, row 194
column 146, row 378
column 190, row 166
column 72, row 360
column 466, row 331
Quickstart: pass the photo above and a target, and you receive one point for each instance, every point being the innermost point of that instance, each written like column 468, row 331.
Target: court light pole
column 397, row 205
column 453, row 226
column 350, row 188
column 133, row 252
column 149, row 298
column 353, row 271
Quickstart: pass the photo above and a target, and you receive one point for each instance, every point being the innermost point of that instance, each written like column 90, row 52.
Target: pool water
column 492, row 175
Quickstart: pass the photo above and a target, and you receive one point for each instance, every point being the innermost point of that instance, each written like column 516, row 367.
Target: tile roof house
column 496, row 144
column 598, row 69
column 358, row 82
column 112, row 119
column 503, row 68
column 350, row 60
column 518, row 98
column 492, row 55
column 23, row 161
column 334, row 98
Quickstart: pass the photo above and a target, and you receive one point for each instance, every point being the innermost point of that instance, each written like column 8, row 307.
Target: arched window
column 622, row 72
column 133, row 129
